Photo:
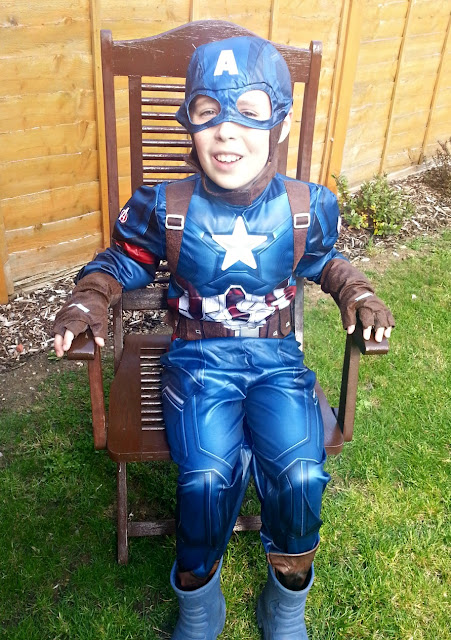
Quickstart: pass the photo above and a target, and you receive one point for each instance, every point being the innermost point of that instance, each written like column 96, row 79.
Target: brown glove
column 88, row 306
column 352, row 292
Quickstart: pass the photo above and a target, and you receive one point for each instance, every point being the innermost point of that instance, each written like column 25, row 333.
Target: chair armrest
column 84, row 348
column 355, row 345
column 368, row 347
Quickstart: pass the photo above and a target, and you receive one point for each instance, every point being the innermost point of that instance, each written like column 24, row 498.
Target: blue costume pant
column 236, row 406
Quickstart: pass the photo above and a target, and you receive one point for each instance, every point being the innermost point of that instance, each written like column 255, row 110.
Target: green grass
column 383, row 569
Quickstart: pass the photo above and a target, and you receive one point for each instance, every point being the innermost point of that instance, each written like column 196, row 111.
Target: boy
column 234, row 355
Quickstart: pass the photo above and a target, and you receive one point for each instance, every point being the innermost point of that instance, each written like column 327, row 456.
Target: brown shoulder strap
column 299, row 199
column 178, row 196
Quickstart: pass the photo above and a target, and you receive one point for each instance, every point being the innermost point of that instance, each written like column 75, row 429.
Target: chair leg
column 122, row 516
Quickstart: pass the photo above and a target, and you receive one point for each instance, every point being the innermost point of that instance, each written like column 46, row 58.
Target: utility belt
column 278, row 325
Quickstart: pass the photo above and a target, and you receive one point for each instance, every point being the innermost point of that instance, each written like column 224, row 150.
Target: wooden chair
column 135, row 430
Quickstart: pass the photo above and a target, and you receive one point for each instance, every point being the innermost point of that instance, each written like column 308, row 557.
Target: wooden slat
column 334, row 90
column 167, row 102
column 6, row 286
column 187, row 37
column 167, row 169
column 340, row 118
column 48, row 141
column 167, row 527
column 73, row 71
column 135, row 101
column 194, row 11
column 164, row 156
column 435, row 93
column 158, row 129
column 366, row 151
column 38, row 174
column 273, row 20
column 53, row 258
column 52, row 233
column 58, row 204
column 395, row 87
column 165, row 87
column 46, row 109
column 156, row 142
column 379, row 51
column 67, row 36
column 100, row 117
column 150, row 298
column 44, row 12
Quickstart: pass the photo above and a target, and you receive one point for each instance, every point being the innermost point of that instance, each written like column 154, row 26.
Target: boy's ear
column 286, row 126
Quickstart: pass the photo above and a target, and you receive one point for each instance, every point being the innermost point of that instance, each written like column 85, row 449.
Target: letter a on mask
column 226, row 62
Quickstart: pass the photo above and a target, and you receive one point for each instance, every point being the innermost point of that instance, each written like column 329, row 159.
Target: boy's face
column 231, row 154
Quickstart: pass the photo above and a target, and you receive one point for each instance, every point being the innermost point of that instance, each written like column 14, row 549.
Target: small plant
column 376, row 206
column 439, row 175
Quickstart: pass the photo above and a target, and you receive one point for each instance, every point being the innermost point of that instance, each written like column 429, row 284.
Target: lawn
column 383, row 569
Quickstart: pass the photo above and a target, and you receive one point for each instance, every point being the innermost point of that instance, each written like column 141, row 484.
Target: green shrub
column 376, row 206
column 439, row 175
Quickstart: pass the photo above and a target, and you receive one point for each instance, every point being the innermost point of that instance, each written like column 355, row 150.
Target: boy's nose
column 226, row 130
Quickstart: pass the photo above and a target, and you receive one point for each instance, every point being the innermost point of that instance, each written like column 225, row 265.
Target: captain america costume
column 235, row 269
column 237, row 396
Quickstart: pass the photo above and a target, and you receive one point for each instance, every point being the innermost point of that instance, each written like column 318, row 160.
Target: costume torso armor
column 236, row 262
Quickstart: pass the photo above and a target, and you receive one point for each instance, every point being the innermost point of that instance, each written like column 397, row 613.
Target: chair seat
column 136, row 431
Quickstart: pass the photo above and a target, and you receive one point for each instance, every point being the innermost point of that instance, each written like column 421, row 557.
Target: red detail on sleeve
column 137, row 253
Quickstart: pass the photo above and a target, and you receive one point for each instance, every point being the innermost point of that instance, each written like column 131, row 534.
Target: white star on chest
column 239, row 246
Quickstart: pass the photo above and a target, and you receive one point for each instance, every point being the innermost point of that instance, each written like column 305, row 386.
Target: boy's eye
column 255, row 104
column 250, row 114
column 203, row 109
column 207, row 113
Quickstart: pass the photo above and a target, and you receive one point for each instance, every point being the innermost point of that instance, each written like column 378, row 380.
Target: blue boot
column 280, row 611
column 202, row 611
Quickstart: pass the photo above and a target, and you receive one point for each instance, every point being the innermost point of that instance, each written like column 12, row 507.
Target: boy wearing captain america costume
column 238, row 399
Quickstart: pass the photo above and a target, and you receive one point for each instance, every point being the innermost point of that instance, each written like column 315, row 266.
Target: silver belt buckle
column 247, row 332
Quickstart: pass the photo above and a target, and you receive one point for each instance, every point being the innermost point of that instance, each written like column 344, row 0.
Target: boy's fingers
column 68, row 337
column 367, row 333
column 387, row 332
column 58, row 345
column 100, row 341
column 351, row 329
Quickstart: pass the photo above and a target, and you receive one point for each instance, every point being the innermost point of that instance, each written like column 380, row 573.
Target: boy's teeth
column 227, row 157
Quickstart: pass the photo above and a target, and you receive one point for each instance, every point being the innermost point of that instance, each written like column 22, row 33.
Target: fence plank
column 344, row 94
column 47, row 141
column 438, row 78
column 51, row 205
column 29, row 176
column 395, row 86
column 46, row 109
column 100, row 120
column 47, row 234
column 53, row 258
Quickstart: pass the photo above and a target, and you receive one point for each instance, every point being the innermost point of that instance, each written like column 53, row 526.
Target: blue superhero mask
column 225, row 70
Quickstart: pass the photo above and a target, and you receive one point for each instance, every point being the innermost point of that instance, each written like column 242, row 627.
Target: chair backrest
column 156, row 68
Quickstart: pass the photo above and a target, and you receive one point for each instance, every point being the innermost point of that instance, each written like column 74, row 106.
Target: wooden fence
column 385, row 101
